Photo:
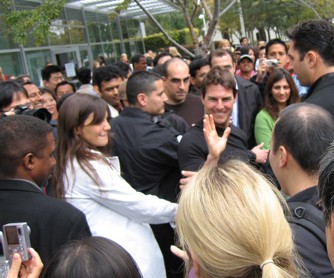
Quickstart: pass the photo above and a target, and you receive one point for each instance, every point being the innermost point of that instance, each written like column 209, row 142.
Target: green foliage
column 36, row 22
column 279, row 15
column 119, row 8
column 158, row 40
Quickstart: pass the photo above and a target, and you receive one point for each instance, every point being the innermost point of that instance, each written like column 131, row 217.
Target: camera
column 4, row 263
column 40, row 113
column 271, row 63
column 16, row 239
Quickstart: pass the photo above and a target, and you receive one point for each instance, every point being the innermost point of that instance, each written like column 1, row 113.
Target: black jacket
column 52, row 222
column 309, row 247
column 193, row 149
column 147, row 152
column 249, row 104
column 322, row 92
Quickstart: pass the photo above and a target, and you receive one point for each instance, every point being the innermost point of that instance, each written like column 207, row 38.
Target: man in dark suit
column 248, row 100
column 27, row 158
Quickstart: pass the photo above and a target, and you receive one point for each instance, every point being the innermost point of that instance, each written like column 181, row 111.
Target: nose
column 220, row 104
column 182, row 85
column 106, row 125
column 38, row 97
column 53, row 161
column 164, row 97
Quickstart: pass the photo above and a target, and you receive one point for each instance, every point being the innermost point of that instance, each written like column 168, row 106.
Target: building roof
column 134, row 11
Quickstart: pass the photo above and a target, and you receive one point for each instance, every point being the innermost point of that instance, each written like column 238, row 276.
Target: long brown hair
column 72, row 115
column 270, row 104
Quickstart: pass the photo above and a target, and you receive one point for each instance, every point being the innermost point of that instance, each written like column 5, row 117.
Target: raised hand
column 216, row 145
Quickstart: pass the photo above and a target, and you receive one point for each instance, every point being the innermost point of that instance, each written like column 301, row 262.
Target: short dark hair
column 140, row 82
column 219, row 76
column 84, row 75
column 48, row 70
column 20, row 135
column 171, row 61
column 242, row 39
column 160, row 55
column 105, row 74
column 276, row 41
column 326, row 180
column 270, row 104
column 8, row 89
column 92, row 257
column 314, row 35
column 305, row 130
column 123, row 68
column 135, row 59
column 62, row 83
column 196, row 65
column 220, row 53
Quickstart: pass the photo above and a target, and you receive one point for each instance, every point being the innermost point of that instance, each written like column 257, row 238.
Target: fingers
column 260, row 146
column 227, row 133
column 34, row 266
column 16, row 266
column 179, row 253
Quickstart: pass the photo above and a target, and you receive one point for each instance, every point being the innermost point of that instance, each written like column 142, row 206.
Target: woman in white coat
column 90, row 180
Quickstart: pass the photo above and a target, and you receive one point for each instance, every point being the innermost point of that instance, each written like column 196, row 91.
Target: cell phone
column 271, row 63
column 4, row 263
column 16, row 239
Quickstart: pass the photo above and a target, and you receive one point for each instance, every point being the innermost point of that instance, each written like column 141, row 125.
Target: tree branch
column 207, row 10
column 163, row 30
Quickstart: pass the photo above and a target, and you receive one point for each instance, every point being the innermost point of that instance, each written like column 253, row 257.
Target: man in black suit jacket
column 27, row 158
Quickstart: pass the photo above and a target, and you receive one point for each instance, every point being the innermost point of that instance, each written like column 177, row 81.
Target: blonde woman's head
column 174, row 52
column 225, row 44
column 231, row 222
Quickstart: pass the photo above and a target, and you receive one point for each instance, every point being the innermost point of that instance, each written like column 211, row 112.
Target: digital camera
column 4, row 263
column 271, row 63
column 16, row 239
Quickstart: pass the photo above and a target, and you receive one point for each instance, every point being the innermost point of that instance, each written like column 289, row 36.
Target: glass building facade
column 83, row 32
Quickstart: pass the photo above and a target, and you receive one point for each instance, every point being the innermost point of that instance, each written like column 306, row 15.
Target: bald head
column 305, row 130
column 176, row 80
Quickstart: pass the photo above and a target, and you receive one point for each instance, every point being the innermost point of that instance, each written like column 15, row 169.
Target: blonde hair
column 223, row 43
column 233, row 223
column 173, row 51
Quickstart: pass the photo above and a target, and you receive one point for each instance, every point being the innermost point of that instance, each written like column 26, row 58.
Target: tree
column 34, row 22
column 191, row 10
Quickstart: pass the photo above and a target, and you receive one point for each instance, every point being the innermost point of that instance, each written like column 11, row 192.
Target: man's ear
column 192, row 81
column 283, row 156
column 142, row 99
column 311, row 58
column 29, row 161
column 97, row 89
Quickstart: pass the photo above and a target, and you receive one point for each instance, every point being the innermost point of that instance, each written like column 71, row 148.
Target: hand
column 29, row 269
column 187, row 177
column 261, row 70
column 216, row 144
column 261, row 155
column 179, row 253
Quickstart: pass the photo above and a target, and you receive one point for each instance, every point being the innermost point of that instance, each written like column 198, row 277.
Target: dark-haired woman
column 281, row 91
column 89, row 179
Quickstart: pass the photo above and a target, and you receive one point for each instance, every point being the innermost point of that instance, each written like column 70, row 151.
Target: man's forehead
column 224, row 60
column 178, row 70
column 276, row 47
column 56, row 74
column 30, row 87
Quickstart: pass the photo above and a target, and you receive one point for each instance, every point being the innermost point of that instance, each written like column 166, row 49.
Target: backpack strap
column 309, row 217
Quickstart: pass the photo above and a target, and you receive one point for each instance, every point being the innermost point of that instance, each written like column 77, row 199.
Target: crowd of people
column 165, row 166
